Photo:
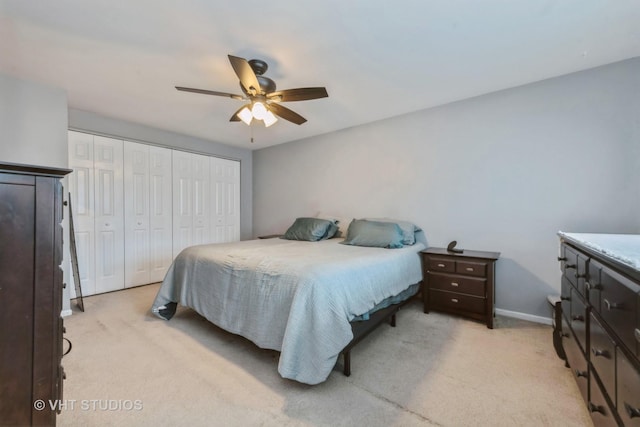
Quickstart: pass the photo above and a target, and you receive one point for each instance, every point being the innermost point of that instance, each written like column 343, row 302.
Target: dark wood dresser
column 30, row 293
column 460, row 283
column 601, row 327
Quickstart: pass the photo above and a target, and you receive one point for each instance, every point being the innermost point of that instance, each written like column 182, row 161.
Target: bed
column 302, row 298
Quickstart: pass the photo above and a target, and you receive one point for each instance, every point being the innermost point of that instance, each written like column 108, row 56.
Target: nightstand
column 459, row 283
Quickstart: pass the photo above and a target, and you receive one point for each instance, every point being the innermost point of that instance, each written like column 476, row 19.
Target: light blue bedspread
column 292, row 296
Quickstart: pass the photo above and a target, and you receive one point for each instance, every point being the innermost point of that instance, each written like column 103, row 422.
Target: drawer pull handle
column 441, row 265
column 602, row 353
column 578, row 318
column 596, row 408
column 581, row 276
column 580, row 373
column 591, row 287
column 565, row 298
column 454, row 284
column 633, row 412
column 565, row 334
column 612, row 305
column 637, row 334
column 454, row 300
column 469, row 268
column 569, row 266
column 562, row 258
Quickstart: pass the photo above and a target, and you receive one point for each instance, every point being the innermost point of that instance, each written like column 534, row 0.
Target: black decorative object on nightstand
column 461, row 283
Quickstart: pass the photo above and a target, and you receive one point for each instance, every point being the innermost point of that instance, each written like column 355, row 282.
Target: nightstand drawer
column 459, row 284
column 471, row 268
column 455, row 301
column 442, row 264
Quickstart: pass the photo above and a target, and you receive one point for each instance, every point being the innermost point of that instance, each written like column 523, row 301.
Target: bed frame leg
column 392, row 320
column 347, row 363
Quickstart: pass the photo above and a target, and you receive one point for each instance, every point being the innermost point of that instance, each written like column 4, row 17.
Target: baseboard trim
column 524, row 316
column 65, row 313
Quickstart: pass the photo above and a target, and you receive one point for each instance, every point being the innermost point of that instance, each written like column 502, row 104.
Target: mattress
column 295, row 297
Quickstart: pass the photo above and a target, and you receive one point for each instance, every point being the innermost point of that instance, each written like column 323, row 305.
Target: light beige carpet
column 129, row 368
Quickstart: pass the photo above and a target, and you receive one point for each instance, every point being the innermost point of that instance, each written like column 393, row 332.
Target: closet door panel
column 161, row 215
column 109, row 214
column 81, row 187
column 225, row 200
column 201, row 199
column 233, row 200
column 182, row 213
column 136, row 214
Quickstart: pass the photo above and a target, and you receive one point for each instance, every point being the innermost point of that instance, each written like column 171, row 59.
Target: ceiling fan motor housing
column 259, row 67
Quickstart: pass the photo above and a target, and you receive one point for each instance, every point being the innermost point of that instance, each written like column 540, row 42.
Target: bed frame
column 362, row 328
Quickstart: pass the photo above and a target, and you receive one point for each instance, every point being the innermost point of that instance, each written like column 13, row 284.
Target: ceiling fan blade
column 286, row 113
column 245, row 73
column 209, row 92
column 300, row 94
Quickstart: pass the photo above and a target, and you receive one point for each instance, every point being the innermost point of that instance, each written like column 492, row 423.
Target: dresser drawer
column 565, row 296
column 576, row 359
column 594, row 284
column 602, row 355
column 458, row 284
column 619, row 306
column 455, row 301
column 472, row 268
column 442, row 264
column 575, row 267
column 578, row 319
column 628, row 392
column 601, row 414
column 569, row 263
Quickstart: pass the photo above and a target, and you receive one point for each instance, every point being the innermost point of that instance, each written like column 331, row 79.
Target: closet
column 136, row 206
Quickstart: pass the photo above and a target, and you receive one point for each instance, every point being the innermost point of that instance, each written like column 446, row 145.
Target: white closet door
column 225, row 182
column 160, row 215
column 201, row 199
column 182, row 207
column 136, row 214
column 191, row 200
column 109, row 219
column 82, row 192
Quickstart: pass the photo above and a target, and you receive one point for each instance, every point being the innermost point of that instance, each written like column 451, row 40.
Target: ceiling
column 377, row 58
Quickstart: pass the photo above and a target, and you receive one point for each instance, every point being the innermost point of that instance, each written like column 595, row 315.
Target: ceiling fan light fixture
column 245, row 115
column 269, row 119
column 258, row 110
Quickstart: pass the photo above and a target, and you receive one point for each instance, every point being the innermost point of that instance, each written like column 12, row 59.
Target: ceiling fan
column 263, row 100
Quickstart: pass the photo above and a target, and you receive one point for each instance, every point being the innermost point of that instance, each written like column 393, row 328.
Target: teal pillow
column 310, row 229
column 376, row 234
column 408, row 229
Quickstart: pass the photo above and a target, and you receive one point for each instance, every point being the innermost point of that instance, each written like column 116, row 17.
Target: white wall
column 33, row 123
column 94, row 123
column 500, row 172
